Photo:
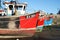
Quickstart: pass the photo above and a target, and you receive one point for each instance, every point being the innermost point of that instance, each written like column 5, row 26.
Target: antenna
column 0, row 5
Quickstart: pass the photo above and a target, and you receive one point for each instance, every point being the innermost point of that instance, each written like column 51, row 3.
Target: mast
column 15, row 7
column 0, row 5
column 0, row 2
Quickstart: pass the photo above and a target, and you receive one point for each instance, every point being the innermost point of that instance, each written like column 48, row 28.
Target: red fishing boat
column 16, row 23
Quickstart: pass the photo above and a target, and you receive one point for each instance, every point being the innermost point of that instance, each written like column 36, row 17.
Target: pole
column 0, row 4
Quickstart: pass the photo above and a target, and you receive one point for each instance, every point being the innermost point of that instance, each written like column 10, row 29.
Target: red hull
column 30, row 22
column 40, row 22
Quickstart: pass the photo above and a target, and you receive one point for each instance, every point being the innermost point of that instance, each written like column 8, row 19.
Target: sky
column 48, row 6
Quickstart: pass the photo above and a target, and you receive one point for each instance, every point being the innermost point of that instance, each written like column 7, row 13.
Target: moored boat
column 15, row 21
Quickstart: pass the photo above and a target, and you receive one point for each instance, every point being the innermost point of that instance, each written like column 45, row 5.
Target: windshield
column 19, row 7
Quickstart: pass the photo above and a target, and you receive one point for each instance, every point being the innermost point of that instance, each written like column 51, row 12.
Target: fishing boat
column 16, row 23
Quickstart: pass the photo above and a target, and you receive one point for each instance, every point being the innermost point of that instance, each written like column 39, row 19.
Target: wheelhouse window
column 24, row 7
column 19, row 7
column 10, row 7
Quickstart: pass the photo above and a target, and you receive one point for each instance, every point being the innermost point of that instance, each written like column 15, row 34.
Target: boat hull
column 16, row 32
column 16, row 26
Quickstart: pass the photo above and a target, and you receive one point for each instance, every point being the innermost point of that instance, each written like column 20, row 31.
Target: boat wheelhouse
column 14, row 8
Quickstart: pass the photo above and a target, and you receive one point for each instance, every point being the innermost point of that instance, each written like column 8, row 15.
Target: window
column 24, row 7
column 41, row 15
column 19, row 7
column 10, row 7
